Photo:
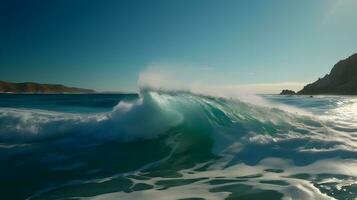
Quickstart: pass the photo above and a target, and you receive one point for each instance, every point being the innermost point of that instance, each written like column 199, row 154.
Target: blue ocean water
column 177, row 145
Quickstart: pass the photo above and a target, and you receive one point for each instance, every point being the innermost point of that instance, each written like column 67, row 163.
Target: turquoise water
column 177, row 145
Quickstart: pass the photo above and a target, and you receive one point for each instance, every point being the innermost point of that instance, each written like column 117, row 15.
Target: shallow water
column 177, row 145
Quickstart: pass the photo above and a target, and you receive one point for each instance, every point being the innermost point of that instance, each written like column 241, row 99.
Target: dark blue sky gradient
column 106, row 44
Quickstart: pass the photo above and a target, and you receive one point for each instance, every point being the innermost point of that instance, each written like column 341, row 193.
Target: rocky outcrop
column 29, row 87
column 287, row 92
column 342, row 80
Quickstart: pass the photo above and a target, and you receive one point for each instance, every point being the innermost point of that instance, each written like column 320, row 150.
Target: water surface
column 177, row 145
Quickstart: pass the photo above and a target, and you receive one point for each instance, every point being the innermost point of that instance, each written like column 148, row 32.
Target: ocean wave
column 155, row 112
column 141, row 118
column 233, row 126
column 168, row 141
column 230, row 123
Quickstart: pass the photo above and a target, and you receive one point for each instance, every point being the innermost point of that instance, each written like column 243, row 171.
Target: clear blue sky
column 106, row 44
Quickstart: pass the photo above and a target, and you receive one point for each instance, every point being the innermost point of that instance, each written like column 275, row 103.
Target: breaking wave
column 194, row 141
column 152, row 114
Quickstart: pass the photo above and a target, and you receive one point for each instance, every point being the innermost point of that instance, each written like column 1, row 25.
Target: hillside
column 30, row 87
column 341, row 80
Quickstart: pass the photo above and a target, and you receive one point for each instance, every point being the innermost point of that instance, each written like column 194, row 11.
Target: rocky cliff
column 341, row 80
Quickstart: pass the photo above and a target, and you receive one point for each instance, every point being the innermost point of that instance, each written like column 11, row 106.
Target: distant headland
column 342, row 80
column 30, row 87
column 287, row 92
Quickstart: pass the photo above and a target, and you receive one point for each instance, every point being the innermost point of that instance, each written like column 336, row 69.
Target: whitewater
column 167, row 144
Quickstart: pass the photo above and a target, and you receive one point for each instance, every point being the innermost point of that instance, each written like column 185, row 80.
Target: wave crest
column 152, row 114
